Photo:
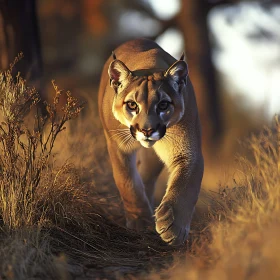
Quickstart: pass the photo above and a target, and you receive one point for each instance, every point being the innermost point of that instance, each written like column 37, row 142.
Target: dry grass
column 47, row 209
column 241, row 238
column 60, row 214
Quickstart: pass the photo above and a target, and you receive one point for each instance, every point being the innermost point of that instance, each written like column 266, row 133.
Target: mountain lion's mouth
column 147, row 143
column 147, row 138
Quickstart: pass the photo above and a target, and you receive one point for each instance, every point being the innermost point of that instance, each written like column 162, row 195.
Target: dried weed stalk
column 25, row 153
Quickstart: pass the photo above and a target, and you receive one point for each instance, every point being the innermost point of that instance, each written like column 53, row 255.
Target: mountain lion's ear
column 178, row 71
column 182, row 56
column 118, row 74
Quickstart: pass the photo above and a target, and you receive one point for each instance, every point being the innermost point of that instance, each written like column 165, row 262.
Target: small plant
column 256, row 184
column 25, row 153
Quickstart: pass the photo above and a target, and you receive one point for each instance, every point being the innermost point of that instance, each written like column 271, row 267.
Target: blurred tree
column 192, row 21
column 19, row 33
column 94, row 17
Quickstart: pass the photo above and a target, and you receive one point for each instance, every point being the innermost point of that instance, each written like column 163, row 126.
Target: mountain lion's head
column 148, row 101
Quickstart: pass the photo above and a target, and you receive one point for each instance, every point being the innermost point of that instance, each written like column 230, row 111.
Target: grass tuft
column 26, row 153
column 240, row 240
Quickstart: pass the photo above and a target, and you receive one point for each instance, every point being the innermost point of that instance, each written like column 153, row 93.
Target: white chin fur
column 147, row 144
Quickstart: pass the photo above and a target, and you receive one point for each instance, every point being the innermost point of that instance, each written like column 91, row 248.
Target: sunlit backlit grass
column 60, row 209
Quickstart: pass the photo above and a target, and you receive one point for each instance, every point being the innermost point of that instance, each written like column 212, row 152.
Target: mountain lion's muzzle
column 147, row 136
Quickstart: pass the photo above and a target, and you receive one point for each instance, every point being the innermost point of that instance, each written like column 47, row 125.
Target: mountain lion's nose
column 147, row 132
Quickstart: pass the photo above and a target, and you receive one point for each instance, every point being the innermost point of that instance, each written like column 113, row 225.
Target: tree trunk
column 193, row 23
column 19, row 33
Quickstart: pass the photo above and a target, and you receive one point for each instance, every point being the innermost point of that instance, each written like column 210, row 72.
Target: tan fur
column 147, row 76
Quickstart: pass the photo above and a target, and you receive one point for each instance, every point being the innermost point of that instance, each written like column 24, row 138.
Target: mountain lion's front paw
column 172, row 229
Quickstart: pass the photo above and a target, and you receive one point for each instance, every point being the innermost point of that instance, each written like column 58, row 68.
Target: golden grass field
column 61, row 215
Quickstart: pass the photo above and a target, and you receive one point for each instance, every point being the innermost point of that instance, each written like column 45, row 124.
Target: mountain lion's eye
column 132, row 105
column 163, row 105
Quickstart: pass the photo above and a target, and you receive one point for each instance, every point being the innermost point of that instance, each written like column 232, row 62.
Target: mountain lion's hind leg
column 149, row 167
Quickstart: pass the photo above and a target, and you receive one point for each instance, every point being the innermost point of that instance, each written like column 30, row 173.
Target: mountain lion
column 146, row 99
